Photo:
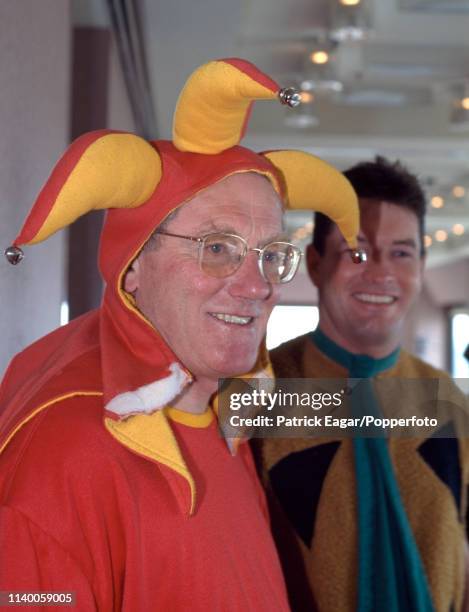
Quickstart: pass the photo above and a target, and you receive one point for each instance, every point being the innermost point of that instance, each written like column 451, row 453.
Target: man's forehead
column 239, row 184
column 383, row 222
column 384, row 218
column 247, row 193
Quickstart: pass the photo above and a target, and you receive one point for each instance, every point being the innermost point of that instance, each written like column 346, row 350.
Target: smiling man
column 363, row 308
column 369, row 524
column 216, row 314
column 117, row 491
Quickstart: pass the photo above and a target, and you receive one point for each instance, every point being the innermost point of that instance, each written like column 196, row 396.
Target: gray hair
column 154, row 241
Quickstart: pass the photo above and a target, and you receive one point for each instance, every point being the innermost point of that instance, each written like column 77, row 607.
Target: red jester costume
column 105, row 490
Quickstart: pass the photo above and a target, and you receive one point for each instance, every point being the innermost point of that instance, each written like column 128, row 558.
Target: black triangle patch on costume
column 442, row 455
column 297, row 481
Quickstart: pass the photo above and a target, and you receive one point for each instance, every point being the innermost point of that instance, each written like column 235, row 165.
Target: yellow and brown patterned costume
column 312, row 488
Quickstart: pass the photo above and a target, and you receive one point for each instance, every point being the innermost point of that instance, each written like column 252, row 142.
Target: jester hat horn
column 125, row 173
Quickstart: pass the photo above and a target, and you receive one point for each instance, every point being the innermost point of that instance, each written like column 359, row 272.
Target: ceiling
column 398, row 84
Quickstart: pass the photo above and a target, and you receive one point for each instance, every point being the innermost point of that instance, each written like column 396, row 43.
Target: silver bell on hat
column 358, row 256
column 14, row 255
column 289, row 96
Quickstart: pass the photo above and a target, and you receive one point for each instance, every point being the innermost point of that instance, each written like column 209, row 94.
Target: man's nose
column 378, row 268
column 248, row 282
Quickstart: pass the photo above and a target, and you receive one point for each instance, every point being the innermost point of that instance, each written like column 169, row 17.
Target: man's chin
column 375, row 317
column 233, row 368
column 377, row 333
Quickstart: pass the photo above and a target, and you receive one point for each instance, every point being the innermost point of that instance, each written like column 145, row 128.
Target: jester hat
column 140, row 183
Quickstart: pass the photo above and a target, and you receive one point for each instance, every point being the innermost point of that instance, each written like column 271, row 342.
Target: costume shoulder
column 288, row 357
column 411, row 366
column 300, row 358
column 62, row 364
column 442, row 388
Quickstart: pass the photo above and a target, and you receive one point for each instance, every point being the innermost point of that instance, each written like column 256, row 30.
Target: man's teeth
column 232, row 318
column 373, row 298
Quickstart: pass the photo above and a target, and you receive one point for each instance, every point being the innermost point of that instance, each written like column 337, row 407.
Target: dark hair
column 381, row 180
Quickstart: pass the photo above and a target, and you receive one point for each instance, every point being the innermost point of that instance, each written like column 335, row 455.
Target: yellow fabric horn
column 100, row 170
column 213, row 106
column 313, row 184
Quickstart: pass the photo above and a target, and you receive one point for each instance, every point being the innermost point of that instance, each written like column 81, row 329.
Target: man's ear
column 131, row 278
column 312, row 263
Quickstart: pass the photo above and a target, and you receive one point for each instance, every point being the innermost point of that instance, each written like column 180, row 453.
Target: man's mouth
column 233, row 319
column 375, row 298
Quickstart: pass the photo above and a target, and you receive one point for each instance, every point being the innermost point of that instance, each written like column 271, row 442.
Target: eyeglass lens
column 279, row 262
column 222, row 254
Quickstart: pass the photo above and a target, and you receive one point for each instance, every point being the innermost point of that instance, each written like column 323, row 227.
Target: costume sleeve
column 32, row 561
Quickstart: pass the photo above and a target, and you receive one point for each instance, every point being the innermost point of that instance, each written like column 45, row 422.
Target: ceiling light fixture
column 459, row 118
column 319, row 75
column 441, row 235
column 458, row 191
column 427, row 241
column 319, row 57
column 437, row 202
column 350, row 20
column 327, row 85
column 458, row 229
column 306, row 97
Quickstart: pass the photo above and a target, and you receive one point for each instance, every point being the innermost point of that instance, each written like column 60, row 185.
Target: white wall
column 426, row 333
column 300, row 291
column 448, row 285
column 34, row 119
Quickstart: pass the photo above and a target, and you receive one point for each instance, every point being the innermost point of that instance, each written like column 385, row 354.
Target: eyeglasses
column 221, row 254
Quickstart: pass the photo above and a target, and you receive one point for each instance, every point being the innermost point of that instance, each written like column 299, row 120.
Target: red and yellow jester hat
column 141, row 182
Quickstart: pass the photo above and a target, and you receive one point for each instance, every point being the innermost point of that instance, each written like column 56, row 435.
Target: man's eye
column 401, row 254
column 272, row 256
column 217, row 248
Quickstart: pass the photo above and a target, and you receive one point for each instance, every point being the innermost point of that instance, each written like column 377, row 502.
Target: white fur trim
column 149, row 398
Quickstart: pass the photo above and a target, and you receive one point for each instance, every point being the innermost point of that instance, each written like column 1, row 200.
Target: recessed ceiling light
column 441, row 235
column 319, row 57
column 306, row 97
column 459, row 191
column 458, row 229
column 437, row 202
column 427, row 241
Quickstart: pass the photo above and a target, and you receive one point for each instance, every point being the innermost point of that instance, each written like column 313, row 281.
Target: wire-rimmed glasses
column 220, row 254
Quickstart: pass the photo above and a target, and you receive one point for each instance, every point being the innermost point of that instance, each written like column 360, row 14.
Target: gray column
column 34, row 130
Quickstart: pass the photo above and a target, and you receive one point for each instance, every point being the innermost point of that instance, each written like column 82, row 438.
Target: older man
column 370, row 523
column 115, row 484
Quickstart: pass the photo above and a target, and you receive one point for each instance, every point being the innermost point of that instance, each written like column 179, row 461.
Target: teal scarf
column 391, row 577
